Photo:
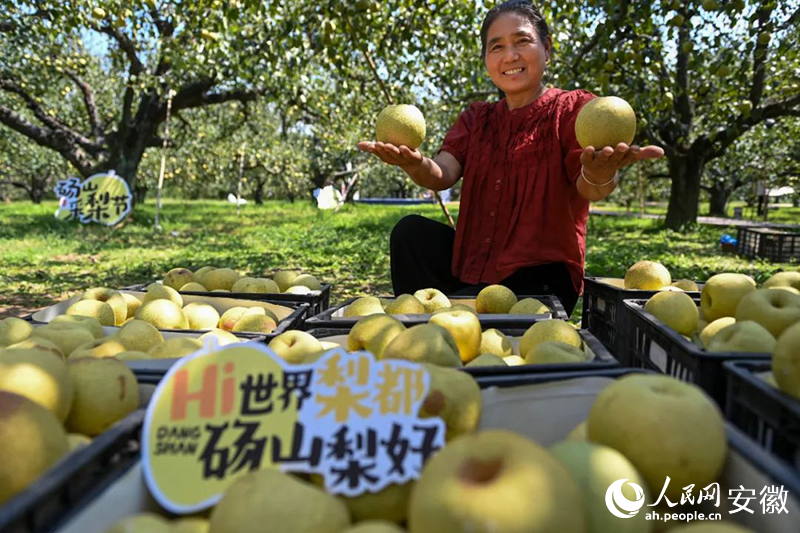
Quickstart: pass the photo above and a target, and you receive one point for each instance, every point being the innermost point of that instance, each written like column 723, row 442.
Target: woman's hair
column 520, row 7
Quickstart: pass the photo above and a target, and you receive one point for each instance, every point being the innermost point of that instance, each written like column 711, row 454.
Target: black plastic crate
column 606, row 317
column 769, row 416
column 328, row 319
column 77, row 479
column 656, row 346
column 603, row 359
column 317, row 303
column 766, row 243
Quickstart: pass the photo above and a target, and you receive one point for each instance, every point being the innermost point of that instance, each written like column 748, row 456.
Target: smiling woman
column 527, row 181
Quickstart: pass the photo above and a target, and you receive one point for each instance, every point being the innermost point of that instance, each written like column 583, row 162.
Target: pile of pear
column 452, row 338
column 736, row 316
column 497, row 480
column 212, row 279
column 50, row 404
column 494, row 299
column 164, row 308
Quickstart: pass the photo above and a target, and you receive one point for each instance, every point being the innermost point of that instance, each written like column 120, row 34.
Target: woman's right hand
column 401, row 156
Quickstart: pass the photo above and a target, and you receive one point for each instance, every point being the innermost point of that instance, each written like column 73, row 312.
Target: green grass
column 782, row 214
column 44, row 261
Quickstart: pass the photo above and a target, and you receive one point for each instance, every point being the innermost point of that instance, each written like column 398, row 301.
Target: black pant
column 421, row 257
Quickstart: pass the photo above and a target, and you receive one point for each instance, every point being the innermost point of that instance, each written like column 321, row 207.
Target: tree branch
column 91, row 107
column 126, row 45
column 56, row 140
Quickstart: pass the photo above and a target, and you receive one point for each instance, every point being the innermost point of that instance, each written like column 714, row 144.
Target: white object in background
column 329, row 198
column 232, row 199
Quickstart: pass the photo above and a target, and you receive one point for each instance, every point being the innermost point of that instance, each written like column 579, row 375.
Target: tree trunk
column 684, row 199
column 258, row 193
column 37, row 189
column 718, row 200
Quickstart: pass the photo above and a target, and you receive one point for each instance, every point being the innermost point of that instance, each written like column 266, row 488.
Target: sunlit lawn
column 44, row 261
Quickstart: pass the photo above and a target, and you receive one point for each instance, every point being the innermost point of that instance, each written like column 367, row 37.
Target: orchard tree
column 206, row 52
column 28, row 167
column 767, row 153
column 700, row 73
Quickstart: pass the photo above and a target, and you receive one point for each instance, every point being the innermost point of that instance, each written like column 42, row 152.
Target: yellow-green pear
column 191, row 525
column 32, row 440
column 595, row 468
column 405, row 304
column 401, row 125
column 307, row 280
column 249, row 285
column 284, row 278
column 39, row 343
column 783, row 279
column 106, row 391
column 374, row 333
column 775, row 310
column 495, row 342
column 549, row 330
column 686, row 285
column 742, row 337
column 175, row 348
column 486, row 359
column 163, row 314
column 514, row 360
column 223, row 337
column 76, row 441
column 529, row 306
column 453, row 396
column 605, row 121
column 708, row 332
column 89, row 323
column 66, row 336
column 255, row 324
column 112, row 298
column 270, row 286
column 432, row 299
column 100, row 311
column 495, row 480
column 157, row 291
column 425, row 343
column 786, row 361
column 366, row 305
column 142, row 523
column 374, row 526
column 297, row 289
column 201, row 316
column 14, row 330
column 495, row 299
column 38, row 375
column 193, row 287
column 685, row 440
column 132, row 302
column 138, row 335
column 132, row 355
column 554, row 352
column 675, row 309
column 294, row 346
column 220, row 278
column 230, row 317
column 99, row 348
column 197, row 277
column 722, row 293
column 389, row 505
column 465, row 329
column 178, row 277
column 647, row 275
column 264, row 497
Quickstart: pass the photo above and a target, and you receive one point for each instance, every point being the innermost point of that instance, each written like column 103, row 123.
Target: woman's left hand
column 600, row 166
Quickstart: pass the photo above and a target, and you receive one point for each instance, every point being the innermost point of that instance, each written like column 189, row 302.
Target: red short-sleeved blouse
column 519, row 202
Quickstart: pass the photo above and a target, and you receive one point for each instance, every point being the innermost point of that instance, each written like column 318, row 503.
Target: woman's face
column 515, row 55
